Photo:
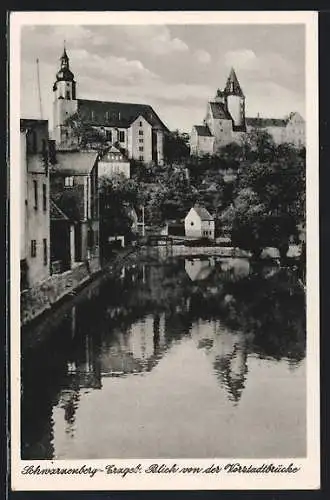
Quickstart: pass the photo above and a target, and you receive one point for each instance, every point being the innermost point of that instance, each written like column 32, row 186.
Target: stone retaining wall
column 178, row 250
column 39, row 298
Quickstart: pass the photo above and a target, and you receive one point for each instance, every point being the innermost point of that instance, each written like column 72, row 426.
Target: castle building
column 135, row 128
column 225, row 122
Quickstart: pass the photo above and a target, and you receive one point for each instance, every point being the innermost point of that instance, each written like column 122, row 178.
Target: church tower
column 235, row 101
column 65, row 104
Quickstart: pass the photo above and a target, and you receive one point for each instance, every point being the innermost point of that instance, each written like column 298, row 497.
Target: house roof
column 117, row 114
column 114, row 151
column 266, row 122
column 294, row 114
column 26, row 123
column 219, row 111
column 55, row 212
column 203, row 130
column 74, row 162
column 203, row 213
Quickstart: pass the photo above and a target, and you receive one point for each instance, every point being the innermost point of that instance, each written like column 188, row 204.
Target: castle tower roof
column 233, row 86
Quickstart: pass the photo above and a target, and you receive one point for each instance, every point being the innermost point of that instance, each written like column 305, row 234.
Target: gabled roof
column 219, row 111
column 117, row 114
column 74, row 162
column 203, row 131
column 55, row 212
column 107, row 156
column 203, row 213
column 232, row 86
column 266, row 122
column 295, row 114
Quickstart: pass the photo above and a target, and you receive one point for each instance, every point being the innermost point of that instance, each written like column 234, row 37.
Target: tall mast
column 39, row 90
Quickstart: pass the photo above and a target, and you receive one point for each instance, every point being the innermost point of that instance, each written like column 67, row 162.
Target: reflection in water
column 185, row 358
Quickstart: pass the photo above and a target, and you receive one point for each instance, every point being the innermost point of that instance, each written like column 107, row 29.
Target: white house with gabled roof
column 199, row 223
column 114, row 162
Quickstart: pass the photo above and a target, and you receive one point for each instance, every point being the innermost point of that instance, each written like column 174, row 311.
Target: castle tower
column 65, row 103
column 235, row 101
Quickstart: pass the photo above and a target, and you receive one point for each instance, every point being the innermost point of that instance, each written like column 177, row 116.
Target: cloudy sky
column 175, row 68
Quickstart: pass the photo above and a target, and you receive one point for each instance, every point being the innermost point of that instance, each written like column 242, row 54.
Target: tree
column 118, row 196
column 270, row 198
column 246, row 218
column 176, row 147
column 258, row 145
column 85, row 134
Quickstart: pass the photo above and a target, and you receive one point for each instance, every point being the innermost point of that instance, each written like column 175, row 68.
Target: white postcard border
column 308, row 476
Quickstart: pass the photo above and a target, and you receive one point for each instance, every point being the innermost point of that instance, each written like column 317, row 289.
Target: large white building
column 225, row 122
column 135, row 128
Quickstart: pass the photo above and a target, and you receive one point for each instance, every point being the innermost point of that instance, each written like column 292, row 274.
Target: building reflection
column 127, row 326
column 199, row 269
column 135, row 350
column 228, row 353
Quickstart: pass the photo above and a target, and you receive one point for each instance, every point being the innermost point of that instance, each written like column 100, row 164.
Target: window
column 35, row 190
column 191, row 223
column 141, row 158
column 44, row 147
column 141, row 148
column 68, row 181
column 140, row 132
column 34, row 141
column 68, row 94
column 45, row 251
column 90, row 238
column 92, row 115
column 108, row 135
column 33, row 248
column 44, row 197
column 107, row 115
column 121, row 136
column 141, row 124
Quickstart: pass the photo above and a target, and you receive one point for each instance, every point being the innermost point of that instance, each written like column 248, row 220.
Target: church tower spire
column 65, row 75
column 65, row 101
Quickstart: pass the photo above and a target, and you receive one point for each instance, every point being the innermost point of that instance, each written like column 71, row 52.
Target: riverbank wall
column 44, row 296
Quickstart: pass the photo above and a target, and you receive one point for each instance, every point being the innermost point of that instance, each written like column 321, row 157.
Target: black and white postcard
column 164, row 250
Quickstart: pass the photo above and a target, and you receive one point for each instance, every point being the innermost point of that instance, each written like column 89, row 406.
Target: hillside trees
column 176, row 147
column 270, row 196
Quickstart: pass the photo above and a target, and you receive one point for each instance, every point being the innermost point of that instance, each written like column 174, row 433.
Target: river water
column 175, row 358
